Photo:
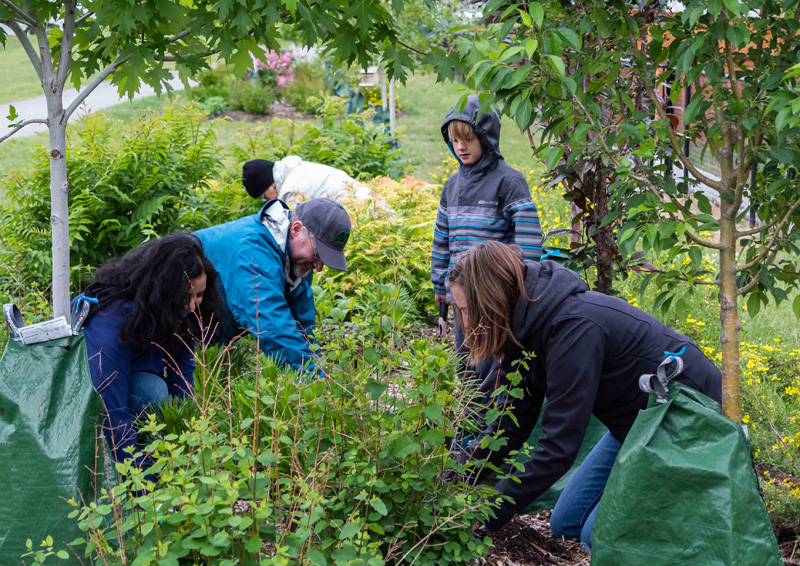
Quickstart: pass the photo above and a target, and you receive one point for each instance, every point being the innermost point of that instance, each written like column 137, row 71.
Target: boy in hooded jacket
column 485, row 199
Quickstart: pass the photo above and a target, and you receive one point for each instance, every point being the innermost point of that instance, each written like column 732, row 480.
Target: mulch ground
column 526, row 541
column 277, row 110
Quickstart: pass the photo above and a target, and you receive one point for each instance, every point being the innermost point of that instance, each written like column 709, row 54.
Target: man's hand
column 440, row 298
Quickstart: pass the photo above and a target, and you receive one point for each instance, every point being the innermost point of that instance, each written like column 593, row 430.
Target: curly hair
column 156, row 277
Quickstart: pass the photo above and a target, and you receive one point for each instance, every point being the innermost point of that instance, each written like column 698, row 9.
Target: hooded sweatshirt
column 590, row 350
column 485, row 201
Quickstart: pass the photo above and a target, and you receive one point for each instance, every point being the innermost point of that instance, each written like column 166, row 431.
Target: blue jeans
column 147, row 390
column 573, row 515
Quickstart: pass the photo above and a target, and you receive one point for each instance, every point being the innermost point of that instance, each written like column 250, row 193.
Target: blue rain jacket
column 251, row 256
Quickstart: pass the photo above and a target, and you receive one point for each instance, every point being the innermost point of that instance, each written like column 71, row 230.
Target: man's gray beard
column 294, row 271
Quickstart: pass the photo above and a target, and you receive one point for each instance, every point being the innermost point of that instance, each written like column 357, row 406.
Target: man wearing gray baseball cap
column 265, row 264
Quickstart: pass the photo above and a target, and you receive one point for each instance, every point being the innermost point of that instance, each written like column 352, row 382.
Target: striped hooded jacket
column 485, row 201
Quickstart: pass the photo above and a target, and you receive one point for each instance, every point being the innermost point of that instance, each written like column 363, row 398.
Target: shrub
column 250, row 97
column 214, row 105
column 127, row 184
column 344, row 469
column 274, row 70
column 307, row 84
column 211, row 83
column 350, row 142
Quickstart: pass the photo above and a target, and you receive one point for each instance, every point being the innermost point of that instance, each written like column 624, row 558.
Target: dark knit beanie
column 257, row 176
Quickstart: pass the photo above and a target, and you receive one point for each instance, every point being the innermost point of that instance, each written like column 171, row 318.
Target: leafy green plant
column 351, row 142
column 127, row 184
column 308, row 83
column 214, row 105
column 342, row 470
column 250, row 97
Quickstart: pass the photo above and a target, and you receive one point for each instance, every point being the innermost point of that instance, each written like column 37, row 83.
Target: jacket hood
column 283, row 168
column 486, row 126
column 548, row 284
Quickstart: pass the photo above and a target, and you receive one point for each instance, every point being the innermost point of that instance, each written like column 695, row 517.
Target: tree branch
column 768, row 248
column 30, row 51
column 22, row 125
column 46, row 58
column 26, row 17
column 83, row 18
column 93, row 85
column 742, row 290
column 417, row 51
column 67, row 38
column 648, row 184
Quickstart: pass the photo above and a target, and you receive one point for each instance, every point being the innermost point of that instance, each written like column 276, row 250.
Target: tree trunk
column 729, row 314
column 603, row 236
column 59, row 209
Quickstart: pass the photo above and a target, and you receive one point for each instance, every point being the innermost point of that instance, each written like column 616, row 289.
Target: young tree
column 607, row 82
column 85, row 42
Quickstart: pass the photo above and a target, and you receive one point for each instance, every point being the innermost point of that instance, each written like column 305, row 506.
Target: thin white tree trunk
column 59, row 209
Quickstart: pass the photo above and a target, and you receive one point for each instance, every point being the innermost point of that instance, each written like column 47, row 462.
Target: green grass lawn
column 15, row 63
column 425, row 104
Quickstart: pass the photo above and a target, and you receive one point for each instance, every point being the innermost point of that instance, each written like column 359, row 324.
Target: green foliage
column 214, row 105
column 250, row 97
column 307, row 84
column 350, row 142
column 126, row 185
column 340, row 470
column 390, row 243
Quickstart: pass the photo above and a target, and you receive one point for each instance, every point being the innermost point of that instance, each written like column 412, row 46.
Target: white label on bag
column 45, row 331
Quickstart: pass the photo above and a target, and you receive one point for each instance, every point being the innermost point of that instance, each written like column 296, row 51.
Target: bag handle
column 14, row 320
column 658, row 383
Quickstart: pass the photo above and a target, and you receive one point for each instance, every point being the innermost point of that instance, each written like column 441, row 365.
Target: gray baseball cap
column 329, row 223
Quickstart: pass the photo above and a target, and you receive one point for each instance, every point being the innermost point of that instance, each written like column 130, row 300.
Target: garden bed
column 277, row 110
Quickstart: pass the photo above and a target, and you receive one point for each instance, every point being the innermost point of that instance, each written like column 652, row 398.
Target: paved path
column 103, row 96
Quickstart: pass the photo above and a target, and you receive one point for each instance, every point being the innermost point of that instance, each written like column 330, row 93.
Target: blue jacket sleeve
column 255, row 289
column 440, row 250
column 110, row 367
column 519, row 208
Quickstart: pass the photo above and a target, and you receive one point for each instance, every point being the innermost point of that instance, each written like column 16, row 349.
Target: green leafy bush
column 341, row 470
column 351, row 142
column 211, row 83
column 308, row 83
column 127, row 184
column 214, row 105
column 250, row 97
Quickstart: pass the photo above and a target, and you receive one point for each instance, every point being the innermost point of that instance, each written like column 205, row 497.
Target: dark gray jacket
column 485, row 201
column 590, row 351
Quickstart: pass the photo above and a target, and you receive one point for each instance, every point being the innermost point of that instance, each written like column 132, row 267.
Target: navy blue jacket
column 112, row 363
column 590, row 350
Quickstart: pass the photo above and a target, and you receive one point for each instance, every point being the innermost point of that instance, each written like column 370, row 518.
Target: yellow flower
column 746, row 419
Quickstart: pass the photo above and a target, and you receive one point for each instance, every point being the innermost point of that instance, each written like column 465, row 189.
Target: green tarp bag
column 50, row 441
column 683, row 490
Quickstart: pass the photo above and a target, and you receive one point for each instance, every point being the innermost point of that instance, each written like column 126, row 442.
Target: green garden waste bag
column 50, row 441
column 683, row 490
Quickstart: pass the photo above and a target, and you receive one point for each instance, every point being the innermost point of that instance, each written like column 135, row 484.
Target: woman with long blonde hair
column 589, row 351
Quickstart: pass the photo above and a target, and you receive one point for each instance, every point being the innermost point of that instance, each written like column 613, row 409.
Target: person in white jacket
column 293, row 180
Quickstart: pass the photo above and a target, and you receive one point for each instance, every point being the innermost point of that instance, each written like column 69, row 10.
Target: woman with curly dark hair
column 152, row 306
